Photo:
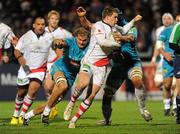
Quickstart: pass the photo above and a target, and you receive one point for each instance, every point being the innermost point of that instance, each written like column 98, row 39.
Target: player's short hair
column 108, row 11
column 53, row 12
column 169, row 15
column 35, row 19
column 82, row 32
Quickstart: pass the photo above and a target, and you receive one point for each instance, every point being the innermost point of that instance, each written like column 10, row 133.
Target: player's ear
column 33, row 25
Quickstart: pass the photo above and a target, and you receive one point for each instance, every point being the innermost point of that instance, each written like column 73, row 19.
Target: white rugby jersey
column 6, row 36
column 60, row 33
column 35, row 49
column 99, row 32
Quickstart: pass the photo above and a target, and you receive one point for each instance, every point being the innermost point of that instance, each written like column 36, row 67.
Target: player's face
column 167, row 21
column 113, row 19
column 178, row 18
column 53, row 21
column 39, row 26
column 82, row 41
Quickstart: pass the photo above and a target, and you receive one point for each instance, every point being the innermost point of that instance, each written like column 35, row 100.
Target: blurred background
column 19, row 14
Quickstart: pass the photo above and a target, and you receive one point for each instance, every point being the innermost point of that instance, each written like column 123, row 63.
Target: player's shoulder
column 5, row 27
column 98, row 24
column 28, row 33
column 63, row 29
column 160, row 28
column 71, row 40
column 47, row 29
column 177, row 25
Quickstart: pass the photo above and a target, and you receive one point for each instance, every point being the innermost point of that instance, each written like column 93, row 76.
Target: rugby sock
column 29, row 114
column 167, row 104
column 141, row 97
column 107, row 107
column 82, row 109
column 18, row 104
column 26, row 104
column 178, row 106
column 74, row 96
column 46, row 111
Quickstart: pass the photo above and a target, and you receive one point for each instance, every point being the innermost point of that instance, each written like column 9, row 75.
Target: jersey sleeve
column 7, row 39
column 99, row 33
column 21, row 45
column 175, row 35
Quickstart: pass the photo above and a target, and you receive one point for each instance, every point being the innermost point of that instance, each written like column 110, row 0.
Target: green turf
column 126, row 120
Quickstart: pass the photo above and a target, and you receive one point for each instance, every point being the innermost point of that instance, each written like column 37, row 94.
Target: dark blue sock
column 107, row 107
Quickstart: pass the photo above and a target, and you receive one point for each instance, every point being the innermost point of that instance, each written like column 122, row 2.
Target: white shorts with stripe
column 22, row 78
column 97, row 73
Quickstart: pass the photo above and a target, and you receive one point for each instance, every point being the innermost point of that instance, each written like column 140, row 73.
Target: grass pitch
column 126, row 119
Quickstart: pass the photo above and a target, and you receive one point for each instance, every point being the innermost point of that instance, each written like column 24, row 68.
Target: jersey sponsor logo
column 74, row 63
column 38, row 51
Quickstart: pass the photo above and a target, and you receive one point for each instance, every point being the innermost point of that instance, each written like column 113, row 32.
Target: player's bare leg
column 141, row 96
column 60, row 87
column 82, row 82
column 84, row 106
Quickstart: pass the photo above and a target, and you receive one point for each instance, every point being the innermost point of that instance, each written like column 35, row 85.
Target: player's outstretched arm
column 122, row 38
column 81, row 12
column 58, row 43
column 124, row 30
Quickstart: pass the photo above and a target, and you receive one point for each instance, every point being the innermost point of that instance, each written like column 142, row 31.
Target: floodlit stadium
column 97, row 66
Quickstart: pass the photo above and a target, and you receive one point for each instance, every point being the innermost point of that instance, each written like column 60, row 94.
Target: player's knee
column 137, row 82
column 167, row 86
column 61, row 80
column 110, row 91
column 82, row 85
column 21, row 93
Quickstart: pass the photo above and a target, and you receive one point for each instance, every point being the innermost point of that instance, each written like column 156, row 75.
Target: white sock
column 167, row 103
column 29, row 115
column 46, row 111
column 141, row 96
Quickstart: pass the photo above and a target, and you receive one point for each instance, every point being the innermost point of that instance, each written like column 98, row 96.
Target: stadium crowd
column 20, row 14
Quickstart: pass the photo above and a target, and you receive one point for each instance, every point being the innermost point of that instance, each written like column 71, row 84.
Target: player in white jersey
column 95, row 64
column 6, row 35
column 57, row 32
column 31, row 52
